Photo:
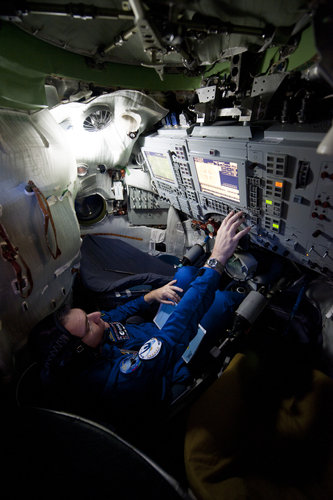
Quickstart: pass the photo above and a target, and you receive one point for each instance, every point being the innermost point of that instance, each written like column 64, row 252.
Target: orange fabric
column 238, row 446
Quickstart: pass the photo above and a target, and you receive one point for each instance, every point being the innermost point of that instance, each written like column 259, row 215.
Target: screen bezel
column 241, row 178
column 147, row 152
column 220, row 184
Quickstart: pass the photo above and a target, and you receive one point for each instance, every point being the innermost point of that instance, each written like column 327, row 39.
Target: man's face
column 88, row 327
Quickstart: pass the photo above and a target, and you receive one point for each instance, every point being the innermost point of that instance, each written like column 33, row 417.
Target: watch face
column 215, row 264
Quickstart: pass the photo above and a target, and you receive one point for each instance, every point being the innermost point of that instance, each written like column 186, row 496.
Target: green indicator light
column 269, row 202
column 276, row 226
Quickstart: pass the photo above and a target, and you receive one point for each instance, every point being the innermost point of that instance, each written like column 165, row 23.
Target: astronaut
column 97, row 361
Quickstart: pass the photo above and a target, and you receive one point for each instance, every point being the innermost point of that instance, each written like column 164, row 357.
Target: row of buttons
column 217, row 205
column 181, row 152
column 276, row 165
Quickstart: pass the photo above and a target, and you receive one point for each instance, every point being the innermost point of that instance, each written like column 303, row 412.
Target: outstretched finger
column 236, row 221
column 242, row 233
column 165, row 301
column 172, row 282
column 177, row 289
column 227, row 218
column 237, row 217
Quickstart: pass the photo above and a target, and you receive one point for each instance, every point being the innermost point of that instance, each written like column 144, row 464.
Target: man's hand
column 167, row 294
column 227, row 237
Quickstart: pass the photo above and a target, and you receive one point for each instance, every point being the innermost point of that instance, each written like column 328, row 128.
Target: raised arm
column 227, row 237
column 183, row 323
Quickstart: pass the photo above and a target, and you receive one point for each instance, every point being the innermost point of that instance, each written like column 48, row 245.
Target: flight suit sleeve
column 182, row 325
column 121, row 313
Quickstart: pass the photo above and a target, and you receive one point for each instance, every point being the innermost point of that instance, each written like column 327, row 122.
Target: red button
column 326, row 204
column 314, row 214
column 322, row 217
column 317, row 202
column 324, row 175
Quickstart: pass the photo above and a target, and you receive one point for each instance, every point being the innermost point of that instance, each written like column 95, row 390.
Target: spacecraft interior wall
column 39, row 232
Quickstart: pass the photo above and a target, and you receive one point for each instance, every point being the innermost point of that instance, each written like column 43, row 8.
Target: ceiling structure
column 168, row 36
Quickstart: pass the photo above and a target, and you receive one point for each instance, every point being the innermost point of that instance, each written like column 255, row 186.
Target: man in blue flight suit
column 99, row 362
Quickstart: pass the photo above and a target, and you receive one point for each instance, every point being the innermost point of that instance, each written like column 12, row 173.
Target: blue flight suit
column 121, row 379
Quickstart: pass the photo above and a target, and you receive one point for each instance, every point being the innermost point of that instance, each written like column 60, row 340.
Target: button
column 324, row 175
column 317, row 202
column 316, row 233
column 322, row 217
column 326, row 204
column 314, row 215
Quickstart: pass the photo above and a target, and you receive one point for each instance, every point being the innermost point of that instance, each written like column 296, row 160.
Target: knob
column 266, row 245
column 326, row 204
column 316, row 233
column 101, row 168
column 314, row 215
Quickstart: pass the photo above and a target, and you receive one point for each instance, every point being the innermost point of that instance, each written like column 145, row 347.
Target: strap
column 44, row 206
column 11, row 255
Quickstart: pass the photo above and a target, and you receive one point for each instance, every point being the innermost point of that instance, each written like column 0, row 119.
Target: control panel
column 275, row 176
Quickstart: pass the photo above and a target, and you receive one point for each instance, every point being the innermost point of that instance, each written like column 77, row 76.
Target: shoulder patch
column 130, row 363
column 150, row 349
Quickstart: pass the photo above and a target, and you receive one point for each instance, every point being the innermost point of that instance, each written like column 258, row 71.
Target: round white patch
column 150, row 349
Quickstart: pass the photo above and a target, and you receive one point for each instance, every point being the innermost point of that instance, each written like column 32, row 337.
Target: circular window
column 90, row 210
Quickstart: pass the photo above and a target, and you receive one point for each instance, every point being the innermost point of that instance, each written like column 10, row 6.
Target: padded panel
column 108, row 263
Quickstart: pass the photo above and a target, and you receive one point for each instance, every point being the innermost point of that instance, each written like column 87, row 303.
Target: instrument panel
column 275, row 176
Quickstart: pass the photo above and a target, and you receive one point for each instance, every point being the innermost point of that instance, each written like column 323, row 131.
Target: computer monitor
column 160, row 166
column 219, row 178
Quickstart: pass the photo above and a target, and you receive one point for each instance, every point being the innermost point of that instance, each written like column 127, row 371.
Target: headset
column 66, row 353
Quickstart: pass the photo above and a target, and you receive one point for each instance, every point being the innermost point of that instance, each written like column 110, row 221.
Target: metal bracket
column 149, row 37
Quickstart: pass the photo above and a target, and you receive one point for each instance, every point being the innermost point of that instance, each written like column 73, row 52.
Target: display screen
column 160, row 166
column 219, row 178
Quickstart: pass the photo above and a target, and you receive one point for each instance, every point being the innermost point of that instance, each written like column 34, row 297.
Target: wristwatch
column 215, row 264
